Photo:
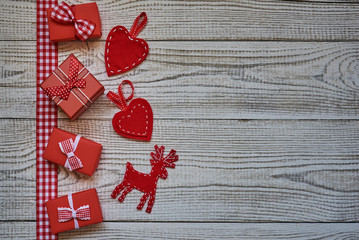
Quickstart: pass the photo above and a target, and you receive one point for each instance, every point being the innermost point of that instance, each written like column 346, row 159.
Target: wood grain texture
column 125, row 230
column 17, row 230
column 232, row 171
column 216, row 231
column 211, row 80
column 207, row 20
column 229, row 170
column 284, row 61
column 18, row 169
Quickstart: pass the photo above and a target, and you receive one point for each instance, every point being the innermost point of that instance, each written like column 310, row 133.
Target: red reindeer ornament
column 136, row 119
column 146, row 183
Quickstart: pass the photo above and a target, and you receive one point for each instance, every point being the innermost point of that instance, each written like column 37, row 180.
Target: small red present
column 72, row 87
column 74, row 22
column 73, row 151
column 74, row 211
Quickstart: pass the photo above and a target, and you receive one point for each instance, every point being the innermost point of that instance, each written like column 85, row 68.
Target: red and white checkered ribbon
column 66, row 214
column 62, row 13
column 64, row 91
column 46, row 120
column 68, row 147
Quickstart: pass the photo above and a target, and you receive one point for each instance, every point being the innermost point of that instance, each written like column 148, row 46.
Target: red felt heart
column 123, row 50
column 136, row 121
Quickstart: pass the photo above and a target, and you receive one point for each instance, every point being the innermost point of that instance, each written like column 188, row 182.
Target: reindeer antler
column 171, row 157
column 168, row 160
column 158, row 155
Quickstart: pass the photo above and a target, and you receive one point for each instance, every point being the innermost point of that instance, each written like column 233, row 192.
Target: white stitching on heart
column 108, row 45
column 123, row 130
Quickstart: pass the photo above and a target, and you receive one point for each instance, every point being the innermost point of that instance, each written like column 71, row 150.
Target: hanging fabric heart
column 123, row 50
column 134, row 120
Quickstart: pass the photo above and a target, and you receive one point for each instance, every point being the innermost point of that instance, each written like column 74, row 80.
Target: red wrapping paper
column 80, row 98
column 88, row 197
column 89, row 152
column 60, row 32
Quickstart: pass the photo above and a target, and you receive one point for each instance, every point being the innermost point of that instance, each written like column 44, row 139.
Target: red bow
column 69, row 147
column 64, row 91
column 66, row 214
column 62, row 13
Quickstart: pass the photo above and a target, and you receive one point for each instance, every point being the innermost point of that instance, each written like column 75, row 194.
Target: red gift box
column 87, row 151
column 74, row 211
column 66, row 32
column 80, row 98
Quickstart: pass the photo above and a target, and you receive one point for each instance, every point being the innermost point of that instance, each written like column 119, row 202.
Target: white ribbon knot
column 70, row 154
column 73, row 213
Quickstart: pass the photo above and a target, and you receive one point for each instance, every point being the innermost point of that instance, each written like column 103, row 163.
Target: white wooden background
column 259, row 98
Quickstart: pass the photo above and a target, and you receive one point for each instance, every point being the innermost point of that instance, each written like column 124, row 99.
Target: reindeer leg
column 117, row 190
column 124, row 193
column 143, row 201
column 151, row 202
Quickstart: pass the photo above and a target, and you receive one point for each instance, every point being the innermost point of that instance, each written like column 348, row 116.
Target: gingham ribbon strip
column 64, row 91
column 62, row 13
column 46, row 120
column 68, row 147
column 66, row 214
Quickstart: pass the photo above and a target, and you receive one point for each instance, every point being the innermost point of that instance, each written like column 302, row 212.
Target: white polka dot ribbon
column 64, row 91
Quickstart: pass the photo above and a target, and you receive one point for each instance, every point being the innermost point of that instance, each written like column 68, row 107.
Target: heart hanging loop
column 121, row 92
column 138, row 24
column 119, row 99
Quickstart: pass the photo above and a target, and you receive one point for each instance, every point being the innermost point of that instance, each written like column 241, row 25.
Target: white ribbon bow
column 66, row 214
column 68, row 147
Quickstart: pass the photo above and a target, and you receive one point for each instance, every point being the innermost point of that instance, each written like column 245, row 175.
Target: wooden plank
column 132, row 230
column 208, row 20
column 244, row 171
column 232, row 80
column 18, row 169
column 17, row 79
column 229, row 171
column 215, row 231
column 18, row 20
column 17, row 230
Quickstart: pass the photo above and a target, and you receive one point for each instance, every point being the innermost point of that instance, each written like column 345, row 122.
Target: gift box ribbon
column 68, row 147
column 66, row 214
column 62, row 13
column 72, row 81
column 72, row 84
